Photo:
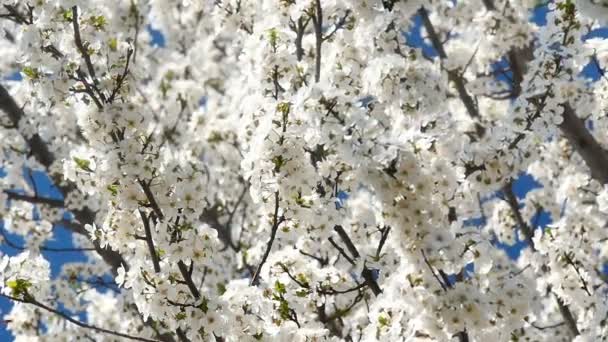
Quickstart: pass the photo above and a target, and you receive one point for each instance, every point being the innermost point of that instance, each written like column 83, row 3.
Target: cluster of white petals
column 304, row 170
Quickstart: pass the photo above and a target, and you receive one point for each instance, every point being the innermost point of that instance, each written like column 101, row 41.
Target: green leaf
column 303, row 279
column 284, row 310
column 67, row 15
column 19, row 287
column 273, row 36
column 164, row 87
column 215, row 137
column 221, row 288
column 204, row 306
column 283, row 107
column 185, row 226
column 280, row 288
column 99, row 22
column 383, row 321
column 83, row 164
column 278, row 162
column 113, row 44
column 113, row 189
column 31, row 73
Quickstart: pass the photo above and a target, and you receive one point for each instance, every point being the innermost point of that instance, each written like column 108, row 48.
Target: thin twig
column 426, row 261
column 567, row 314
column 317, row 20
column 341, row 251
column 187, row 274
column 146, row 221
column 77, row 322
column 150, row 196
column 84, row 52
column 35, row 199
column 523, row 226
column 453, row 75
column 121, row 78
column 276, row 222
column 15, row 246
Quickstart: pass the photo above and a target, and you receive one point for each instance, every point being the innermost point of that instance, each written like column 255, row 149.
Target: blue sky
column 62, row 237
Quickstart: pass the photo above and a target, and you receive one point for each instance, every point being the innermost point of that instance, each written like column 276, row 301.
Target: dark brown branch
column 85, row 54
column 112, row 258
column 146, row 221
column 150, row 196
column 236, row 205
column 341, row 251
column 299, row 28
column 182, row 337
column 366, row 273
column 523, row 226
column 368, row 276
column 568, row 317
column 338, row 25
column 35, row 199
column 428, row 264
column 573, row 127
column 385, row 231
column 276, row 222
column 187, row 275
column 552, row 326
column 323, row 261
column 88, row 89
column 40, row 151
column 18, row 17
column 29, row 300
column 518, row 59
column 594, row 155
column 15, row 246
column 317, row 21
column 463, row 336
column 121, row 78
column 346, row 239
column 38, row 147
column 211, row 217
column 133, row 9
column 489, row 5
column 453, row 75
column 574, row 130
column 570, row 261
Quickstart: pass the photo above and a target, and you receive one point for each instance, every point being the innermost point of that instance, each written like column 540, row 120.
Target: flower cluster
column 308, row 170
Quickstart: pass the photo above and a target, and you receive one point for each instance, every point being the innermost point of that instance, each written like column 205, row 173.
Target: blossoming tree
column 298, row 170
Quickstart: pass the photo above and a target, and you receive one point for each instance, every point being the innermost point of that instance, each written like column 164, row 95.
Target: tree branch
column 317, row 21
column 523, row 226
column 85, row 53
column 186, row 274
column 76, row 322
column 276, row 222
column 146, row 221
column 453, row 75
column 34, row 199
column 121, row 78
column 594, row 155
column 567, row 314
column 366, row 273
